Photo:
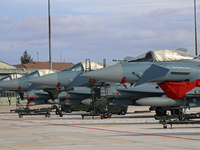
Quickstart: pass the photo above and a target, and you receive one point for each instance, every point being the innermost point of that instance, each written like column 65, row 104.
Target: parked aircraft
column 117, row 93
column 176, row 73
column 72, row 100
column 20, row 84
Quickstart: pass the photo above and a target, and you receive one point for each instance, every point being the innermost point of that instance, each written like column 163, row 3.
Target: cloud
column 97, row 29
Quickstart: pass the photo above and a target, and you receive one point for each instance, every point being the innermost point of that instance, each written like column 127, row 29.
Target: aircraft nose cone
column 112, row 73
column 11, row 85
column 48, row 80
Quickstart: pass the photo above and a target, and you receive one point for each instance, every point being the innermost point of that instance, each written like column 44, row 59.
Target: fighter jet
column 78, row 99
column 20, row 84
column 117, row 93
column 176, row 73
column 143, row 94
column 171, row 69
column 8, row 78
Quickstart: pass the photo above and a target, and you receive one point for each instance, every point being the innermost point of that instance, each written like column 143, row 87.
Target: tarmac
column 138, row 131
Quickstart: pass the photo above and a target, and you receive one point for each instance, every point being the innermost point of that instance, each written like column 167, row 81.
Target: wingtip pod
column 111, row 73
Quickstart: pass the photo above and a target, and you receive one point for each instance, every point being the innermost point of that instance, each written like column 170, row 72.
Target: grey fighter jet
column 20, row 84
column 176, row 73
column 170, row 69
column 145, row 95
column 117, row 93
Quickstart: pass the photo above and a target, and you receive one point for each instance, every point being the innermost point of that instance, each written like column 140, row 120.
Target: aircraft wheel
column 164, row 126
column 160, row 111
column 176, row 112
column 69, row 111
column 123, row 111
column 91, row 111
column 110, row 115
column 57, row 113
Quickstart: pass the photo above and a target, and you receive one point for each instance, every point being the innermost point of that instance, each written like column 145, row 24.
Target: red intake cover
column 177, row 90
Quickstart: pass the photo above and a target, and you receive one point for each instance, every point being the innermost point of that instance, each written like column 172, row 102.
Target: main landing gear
column 177, row 117
column 163, row 111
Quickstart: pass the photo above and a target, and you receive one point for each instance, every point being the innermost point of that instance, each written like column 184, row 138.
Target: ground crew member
column 9, row 100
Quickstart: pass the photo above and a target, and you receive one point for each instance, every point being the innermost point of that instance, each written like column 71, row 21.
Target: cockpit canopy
column 163, row 55
column 40, row 72
column 83, row 66
column 10, row 77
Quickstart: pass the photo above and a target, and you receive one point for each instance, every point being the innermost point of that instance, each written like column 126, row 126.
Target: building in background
column 44, row 65
column 23, row 69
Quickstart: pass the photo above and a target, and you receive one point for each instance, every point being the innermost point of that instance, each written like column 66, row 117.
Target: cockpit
column 39, row 72
column 163, row 55
column 76, row 67
column 33, row 74
column 147, row 57
column 7, row 78
column 83, row 66
column 10, row 77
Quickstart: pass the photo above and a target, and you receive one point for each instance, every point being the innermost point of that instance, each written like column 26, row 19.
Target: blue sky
column 94, row 29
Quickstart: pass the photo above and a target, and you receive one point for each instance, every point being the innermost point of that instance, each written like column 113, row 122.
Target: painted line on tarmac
column 108, row 130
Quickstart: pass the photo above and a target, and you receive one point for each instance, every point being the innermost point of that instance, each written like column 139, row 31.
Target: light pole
column 195, row 24
column 50, row 62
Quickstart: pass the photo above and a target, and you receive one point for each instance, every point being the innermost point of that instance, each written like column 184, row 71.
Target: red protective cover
column 177, row 90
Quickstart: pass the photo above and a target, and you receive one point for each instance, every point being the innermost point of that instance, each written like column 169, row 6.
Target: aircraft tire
column 123, row 112
column 160, row 111
column 70, row 110
column 176, row 112
column 57, row 113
